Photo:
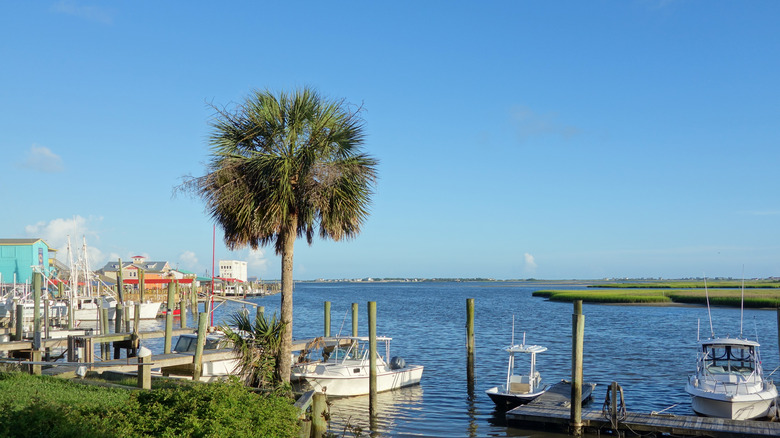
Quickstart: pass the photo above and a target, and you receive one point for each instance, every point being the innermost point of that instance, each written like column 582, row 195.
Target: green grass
column 755, row 298
column 693, row 284
column 41, row 406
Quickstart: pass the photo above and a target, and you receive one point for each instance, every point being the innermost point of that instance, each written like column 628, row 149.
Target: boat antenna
column 709, row 313
column 698, row 329
column 742, row 302
column 513, row 330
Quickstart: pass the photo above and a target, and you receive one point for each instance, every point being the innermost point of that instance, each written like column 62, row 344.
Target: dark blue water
column 648, row 350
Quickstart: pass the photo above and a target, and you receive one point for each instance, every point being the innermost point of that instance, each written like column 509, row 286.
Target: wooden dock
column 553, row 411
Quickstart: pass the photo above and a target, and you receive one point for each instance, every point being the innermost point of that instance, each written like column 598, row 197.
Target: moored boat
column 729, row 381
column 519, row 388
column 344, row 369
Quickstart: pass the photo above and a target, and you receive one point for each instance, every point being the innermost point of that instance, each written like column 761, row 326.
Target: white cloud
column 42, row 159
column 56, row 232
column 256, row 262
column 189, row 261
column 530, row 263
column 89, row 13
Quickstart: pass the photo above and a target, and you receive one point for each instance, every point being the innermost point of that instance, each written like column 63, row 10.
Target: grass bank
column 36, row 406
column 754, row 298
column 692, row 284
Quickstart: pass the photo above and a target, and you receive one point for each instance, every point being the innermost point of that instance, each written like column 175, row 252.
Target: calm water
column 648, row 350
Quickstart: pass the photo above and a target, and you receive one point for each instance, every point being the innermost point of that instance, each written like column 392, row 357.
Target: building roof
column 145, row 265
column 21, row 241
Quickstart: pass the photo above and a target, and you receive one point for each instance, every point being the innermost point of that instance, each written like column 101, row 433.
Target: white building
column 233, row 269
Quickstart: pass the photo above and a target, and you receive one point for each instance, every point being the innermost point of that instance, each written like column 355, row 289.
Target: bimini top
column 525, row 349
column 728, row 341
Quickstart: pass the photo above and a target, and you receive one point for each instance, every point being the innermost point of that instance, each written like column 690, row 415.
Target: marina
column 446, row 399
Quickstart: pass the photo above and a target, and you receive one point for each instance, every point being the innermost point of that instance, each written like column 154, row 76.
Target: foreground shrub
column 49, row 407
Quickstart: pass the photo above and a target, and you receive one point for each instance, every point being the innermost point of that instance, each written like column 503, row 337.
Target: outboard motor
column 397, row 362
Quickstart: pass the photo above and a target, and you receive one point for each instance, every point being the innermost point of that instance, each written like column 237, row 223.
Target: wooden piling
column 260, row 312
column 327, row 319
column 71, row 323
column 144, row 372
column 203, row 319
column 119, row 317
column 46, row 317
column 141, row 285
column 182, row 309
column 470, row 326
column 470, row 376
column 319, row 424
column 37, row 279
column 372, row 400
column 105, row 346
column 19, row 322
column 354, row 319
column 169, row 319
column 136, row 317
column 578, row 334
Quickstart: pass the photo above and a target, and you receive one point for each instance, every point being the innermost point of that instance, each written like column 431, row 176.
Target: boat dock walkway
column 555, row 411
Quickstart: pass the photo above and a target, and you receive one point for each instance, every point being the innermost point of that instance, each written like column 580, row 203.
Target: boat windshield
column 729, row 358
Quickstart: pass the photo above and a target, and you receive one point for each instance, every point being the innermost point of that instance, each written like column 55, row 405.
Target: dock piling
column 203, row 319
column 372, row 400
column 319, row 425
column 327, row 319
column 37, row 279
column 169, row 319
column 578, row 331
column 19, row 322
column 354, row 319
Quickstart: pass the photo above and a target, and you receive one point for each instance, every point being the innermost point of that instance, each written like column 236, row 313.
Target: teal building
column 20, row 257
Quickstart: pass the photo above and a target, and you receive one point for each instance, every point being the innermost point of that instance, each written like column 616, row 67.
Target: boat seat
column 519, row 388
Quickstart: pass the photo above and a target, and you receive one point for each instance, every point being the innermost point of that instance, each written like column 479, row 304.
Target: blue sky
column 516, row 139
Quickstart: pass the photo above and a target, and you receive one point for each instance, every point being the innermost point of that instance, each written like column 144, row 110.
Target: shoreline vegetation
column 35, row 406
column 727, row 293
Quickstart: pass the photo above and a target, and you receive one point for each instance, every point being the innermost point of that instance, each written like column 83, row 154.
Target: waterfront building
column 233, row 269
column 20, row 257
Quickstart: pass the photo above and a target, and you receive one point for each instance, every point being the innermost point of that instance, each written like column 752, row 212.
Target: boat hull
column 736, row 407
column 352, row 385
column 506, row 400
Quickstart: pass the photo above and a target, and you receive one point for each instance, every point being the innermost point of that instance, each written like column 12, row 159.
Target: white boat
column 148, row 309
column 212, row 370
column 344, row 369
column 519, row 388
column 729, row 381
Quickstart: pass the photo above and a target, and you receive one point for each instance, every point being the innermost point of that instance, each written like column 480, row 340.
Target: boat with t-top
column 344, row 368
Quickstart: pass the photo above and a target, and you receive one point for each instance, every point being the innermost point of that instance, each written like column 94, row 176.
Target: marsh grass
column 693, row 284
column 754, row 298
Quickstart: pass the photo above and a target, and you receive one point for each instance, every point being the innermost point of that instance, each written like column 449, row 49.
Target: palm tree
column 257, row 345
column 287, row 166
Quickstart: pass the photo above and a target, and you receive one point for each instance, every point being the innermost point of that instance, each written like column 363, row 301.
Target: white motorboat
column 344, row 369
column 729, row 381
column 519, row 388
column 212, row 370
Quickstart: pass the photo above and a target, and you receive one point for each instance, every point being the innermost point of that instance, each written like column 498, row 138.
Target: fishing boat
column 729, row 381
column 344, row 369
column 519, row 388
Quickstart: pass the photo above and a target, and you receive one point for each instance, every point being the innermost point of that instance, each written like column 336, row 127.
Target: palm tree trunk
column 285, row 362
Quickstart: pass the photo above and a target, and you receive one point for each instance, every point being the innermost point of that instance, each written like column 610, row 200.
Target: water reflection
column 393, row 409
